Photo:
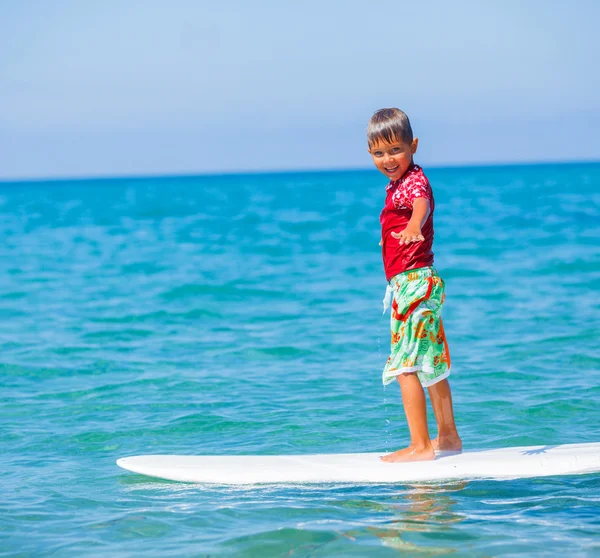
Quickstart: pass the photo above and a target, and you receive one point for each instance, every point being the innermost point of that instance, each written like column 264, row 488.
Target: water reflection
column 421, row 515
column 421, row 518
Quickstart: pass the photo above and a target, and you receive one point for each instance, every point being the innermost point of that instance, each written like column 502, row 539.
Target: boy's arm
column 412, row 232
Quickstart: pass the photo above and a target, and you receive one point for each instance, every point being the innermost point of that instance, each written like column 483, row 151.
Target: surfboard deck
column 365, row 468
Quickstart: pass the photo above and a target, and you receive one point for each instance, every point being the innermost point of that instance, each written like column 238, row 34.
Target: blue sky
column 137, row 87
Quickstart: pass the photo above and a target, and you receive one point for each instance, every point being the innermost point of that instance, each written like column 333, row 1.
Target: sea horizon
column 291, row 171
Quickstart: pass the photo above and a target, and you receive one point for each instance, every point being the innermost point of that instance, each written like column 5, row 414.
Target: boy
column 419, row 352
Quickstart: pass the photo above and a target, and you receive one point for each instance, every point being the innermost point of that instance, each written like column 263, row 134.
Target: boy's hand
column 409, row 234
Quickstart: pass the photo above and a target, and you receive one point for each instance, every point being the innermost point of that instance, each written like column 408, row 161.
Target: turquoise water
column 242, row 315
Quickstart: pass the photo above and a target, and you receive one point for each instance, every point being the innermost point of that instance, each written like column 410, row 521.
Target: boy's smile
column 393, row 159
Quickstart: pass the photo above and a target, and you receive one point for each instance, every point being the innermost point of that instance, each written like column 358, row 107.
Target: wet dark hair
column 389, row 125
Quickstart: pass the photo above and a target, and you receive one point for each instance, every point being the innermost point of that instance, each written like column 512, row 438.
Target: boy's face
column 393, row 159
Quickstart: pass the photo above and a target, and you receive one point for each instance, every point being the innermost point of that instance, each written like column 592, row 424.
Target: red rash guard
column 395, row 216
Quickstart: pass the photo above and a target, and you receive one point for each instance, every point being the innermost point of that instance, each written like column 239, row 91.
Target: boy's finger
column 397, row 235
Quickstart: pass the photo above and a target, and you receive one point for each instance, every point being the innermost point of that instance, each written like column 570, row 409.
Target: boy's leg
column 415, row 408
column 441, row 401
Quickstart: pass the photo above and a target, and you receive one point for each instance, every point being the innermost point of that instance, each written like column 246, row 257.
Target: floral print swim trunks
column 418, row 339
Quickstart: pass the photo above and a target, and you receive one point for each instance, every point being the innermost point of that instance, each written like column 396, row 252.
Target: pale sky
column 141, row 87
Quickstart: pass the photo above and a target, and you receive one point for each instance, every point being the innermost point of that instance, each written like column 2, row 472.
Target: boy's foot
column 410, row 454
column 447, row 443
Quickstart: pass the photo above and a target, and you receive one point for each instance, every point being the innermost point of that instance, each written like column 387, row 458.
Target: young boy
column 419, row 352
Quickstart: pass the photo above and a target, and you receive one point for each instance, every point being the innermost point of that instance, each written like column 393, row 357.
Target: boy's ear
column 414, row 145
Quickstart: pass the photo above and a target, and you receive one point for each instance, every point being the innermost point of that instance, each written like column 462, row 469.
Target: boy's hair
column 389, row 125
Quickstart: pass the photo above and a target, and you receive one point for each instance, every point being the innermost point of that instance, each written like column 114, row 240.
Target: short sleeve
column 413, row 187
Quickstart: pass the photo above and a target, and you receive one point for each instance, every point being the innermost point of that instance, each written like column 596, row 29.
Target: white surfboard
column 360, row 468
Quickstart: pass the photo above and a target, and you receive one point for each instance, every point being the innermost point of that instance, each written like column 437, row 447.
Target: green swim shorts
column 418, row 339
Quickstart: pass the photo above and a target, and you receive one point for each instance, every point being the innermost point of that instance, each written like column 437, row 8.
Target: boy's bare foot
column 410, row 453
column 447, row 443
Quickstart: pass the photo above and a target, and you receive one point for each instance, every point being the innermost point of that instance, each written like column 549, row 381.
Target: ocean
column 241, row 314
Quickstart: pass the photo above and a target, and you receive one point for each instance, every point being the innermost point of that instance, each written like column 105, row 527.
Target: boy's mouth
column 391, row 170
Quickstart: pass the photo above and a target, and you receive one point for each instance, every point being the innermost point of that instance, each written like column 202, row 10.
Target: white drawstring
column 387, row 299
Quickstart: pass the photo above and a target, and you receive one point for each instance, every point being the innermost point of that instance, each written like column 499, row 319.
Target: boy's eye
column 396, row 150
column 378, row 154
